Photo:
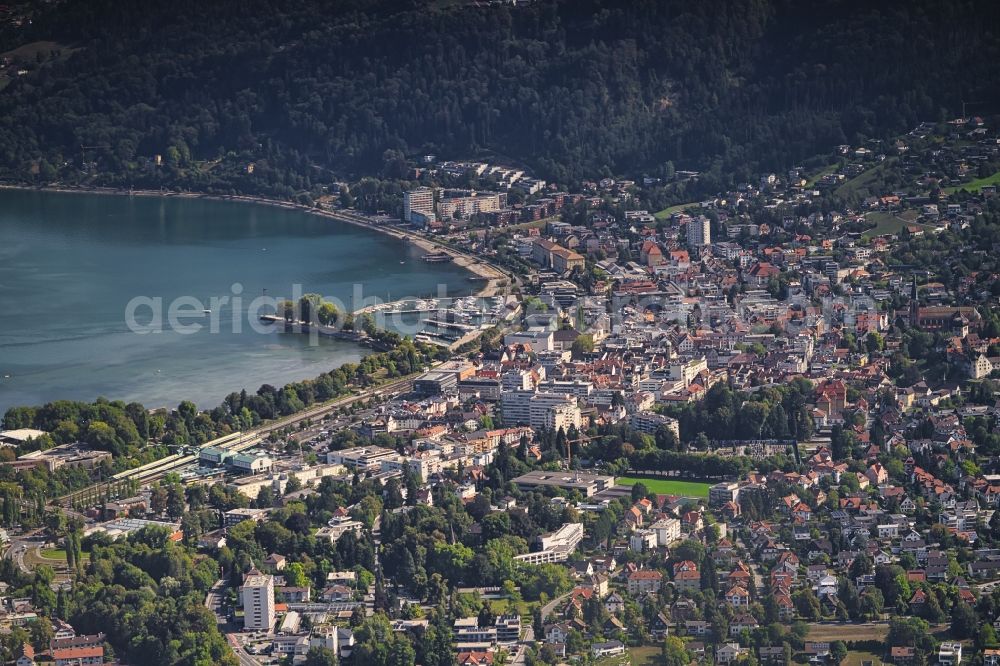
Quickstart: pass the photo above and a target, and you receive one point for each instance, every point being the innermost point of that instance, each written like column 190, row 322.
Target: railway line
column 234, row 442
column 239, row 441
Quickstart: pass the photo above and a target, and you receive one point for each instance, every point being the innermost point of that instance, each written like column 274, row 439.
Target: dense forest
column 315, row 92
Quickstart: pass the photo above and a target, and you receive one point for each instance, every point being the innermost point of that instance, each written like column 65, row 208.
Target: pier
column 455, row 326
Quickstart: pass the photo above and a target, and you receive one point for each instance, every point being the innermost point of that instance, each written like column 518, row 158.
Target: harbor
column 447, row 322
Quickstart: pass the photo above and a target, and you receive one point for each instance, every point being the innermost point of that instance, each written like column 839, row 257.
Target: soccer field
column 669, row 486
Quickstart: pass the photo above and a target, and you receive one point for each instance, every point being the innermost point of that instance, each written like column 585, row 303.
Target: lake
column 71, row 264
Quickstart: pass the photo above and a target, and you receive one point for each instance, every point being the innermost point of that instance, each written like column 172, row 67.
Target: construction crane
column 578, row 440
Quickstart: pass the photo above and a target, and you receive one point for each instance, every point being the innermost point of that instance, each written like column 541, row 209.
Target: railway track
column 234, row 442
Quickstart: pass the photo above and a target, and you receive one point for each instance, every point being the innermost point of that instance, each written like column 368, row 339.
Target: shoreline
column 478, row 267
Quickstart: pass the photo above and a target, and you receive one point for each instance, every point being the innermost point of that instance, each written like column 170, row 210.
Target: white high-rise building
column 540, row 410
column 258, row 601
column 699, row 231
column 418, row 206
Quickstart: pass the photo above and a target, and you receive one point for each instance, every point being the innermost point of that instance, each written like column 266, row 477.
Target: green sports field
column 669, row 486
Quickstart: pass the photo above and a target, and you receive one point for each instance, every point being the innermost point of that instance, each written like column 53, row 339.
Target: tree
column 838, row 651
column 874, row 342
column 872, row 603
column 909, row 631
column 964, row 622
column 326, row 313
column 175, row 500
column 295, row 575
column 807, row 604
column 689, row 549
column 674, row 653
column 320, row 656
column 55, row 523
column 583, row 345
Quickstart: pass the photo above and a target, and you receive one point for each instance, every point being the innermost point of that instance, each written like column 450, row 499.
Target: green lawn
column 667, row 212
column 56, row 554
column 505, row 606
column 647, row 655
column 825, row 171
column 855, row 658
column 889, row 224
column 864, row 183
column 975, row 185
column 669, row 486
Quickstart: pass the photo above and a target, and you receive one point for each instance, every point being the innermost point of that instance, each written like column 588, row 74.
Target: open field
column 855, row 658
column 889, row 224
column 56, row 554
column 847, row 631
column 647, row 655
column 863, row 184
column 28, row 54
column 534, row 224
column 667, row 212
column 506, row 606
column 825, row 171
column 975, row 185
column 669, row 486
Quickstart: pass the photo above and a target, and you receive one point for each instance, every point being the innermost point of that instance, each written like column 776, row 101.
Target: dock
column 455, row 326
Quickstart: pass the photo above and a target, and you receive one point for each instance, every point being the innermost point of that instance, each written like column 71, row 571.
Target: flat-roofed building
column 650, row 422
column 444, row 379
column 667, row 530
column 258, row 601
column 237, row 516
column 721, row 493
column 487, row 388
column 19, row 436
column 555, row 546
column 587, row 484
column 465, row 204
column 418, row 206
column 360, row 457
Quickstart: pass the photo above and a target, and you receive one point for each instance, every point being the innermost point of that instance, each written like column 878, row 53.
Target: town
column 759, row 428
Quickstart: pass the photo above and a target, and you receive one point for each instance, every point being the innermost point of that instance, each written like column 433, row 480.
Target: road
column 758, row 578
column 322, row 410
column 551, row 606
column 318, row 411
column 244, row 658
column 213, row 600
column 16, row 552
column 19, row 546
column 987, row 587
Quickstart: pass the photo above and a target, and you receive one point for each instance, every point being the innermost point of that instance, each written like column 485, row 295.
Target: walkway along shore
column 493, row 275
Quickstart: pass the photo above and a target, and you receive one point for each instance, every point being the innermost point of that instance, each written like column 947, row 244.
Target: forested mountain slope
column 313, row 90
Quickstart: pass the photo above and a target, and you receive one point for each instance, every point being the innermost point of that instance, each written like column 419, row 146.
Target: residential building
column 258, row 601
column 699, row 232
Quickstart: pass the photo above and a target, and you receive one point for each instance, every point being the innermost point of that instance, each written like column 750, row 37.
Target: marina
column 87, row 256
column 442, row 321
